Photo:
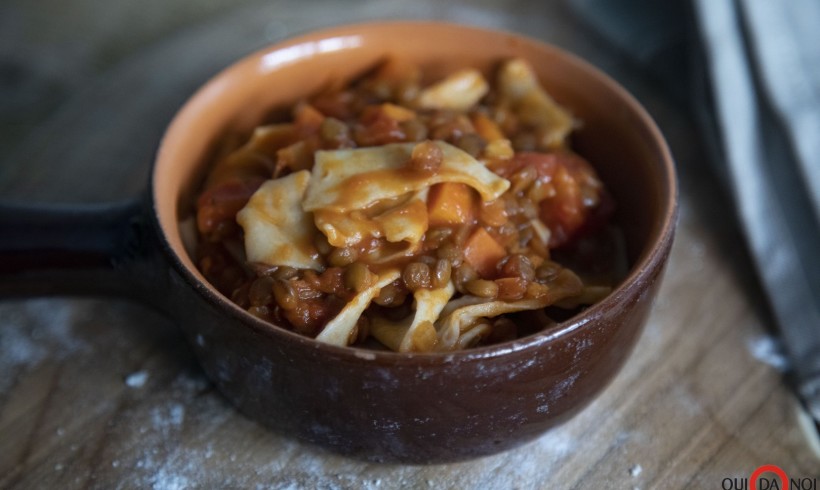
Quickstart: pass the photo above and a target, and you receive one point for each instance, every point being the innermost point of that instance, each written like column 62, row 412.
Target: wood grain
column 700, row 400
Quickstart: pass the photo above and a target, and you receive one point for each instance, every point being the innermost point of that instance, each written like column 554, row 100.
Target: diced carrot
column 482, row 252
column 376, row 128
column 397, row 112
column 397, row 70
column 487, row 128
column 338, row 104
column 308, row 118
column 451, row 203
column 511, row 288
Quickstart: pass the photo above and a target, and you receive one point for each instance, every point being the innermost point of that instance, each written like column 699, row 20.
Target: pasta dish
column 414, row 215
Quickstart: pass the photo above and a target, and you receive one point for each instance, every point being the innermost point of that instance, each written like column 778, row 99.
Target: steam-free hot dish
column 411, row 214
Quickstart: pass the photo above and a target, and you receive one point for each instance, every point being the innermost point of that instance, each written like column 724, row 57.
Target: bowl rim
column 650, row 259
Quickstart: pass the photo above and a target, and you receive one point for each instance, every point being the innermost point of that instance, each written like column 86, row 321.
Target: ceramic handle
column 81, row 250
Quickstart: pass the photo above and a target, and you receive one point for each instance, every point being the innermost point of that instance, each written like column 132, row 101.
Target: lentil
column 341, row 257
column 426, row 158
column 463, row 274
column 285, row 272
column 441, row 273
column 357, row 277
column 261, row 291
column 517, row 265
column 392, row 295
column 416, row 276
column 482, row 288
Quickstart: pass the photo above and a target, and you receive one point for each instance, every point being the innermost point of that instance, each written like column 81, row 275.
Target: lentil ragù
column 421, row 216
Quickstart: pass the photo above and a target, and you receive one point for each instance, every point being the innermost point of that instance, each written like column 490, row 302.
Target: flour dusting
column 136, row 379
column 768, row 350
column 167, row 417
column 41, row 329
column 164, row 480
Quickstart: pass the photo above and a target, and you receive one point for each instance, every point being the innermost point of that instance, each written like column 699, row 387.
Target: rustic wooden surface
column 105, row 394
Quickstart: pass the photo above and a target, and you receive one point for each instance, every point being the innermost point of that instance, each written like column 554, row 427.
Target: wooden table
column 106, row 394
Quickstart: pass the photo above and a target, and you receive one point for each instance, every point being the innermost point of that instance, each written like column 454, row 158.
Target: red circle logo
column 768, row 468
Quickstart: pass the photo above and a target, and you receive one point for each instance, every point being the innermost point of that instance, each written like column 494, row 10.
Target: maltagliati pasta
column 410, row 215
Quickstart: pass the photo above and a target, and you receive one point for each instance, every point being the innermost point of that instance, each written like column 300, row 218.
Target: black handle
column 107, row 249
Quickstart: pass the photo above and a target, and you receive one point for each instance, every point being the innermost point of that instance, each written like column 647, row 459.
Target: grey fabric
column 785, row 39
column 768, row 113
column 757, row 85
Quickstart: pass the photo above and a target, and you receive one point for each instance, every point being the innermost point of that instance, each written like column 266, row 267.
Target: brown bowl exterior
column 417, row 408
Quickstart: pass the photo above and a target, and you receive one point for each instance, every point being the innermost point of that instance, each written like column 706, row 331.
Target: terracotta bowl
column 418, row 408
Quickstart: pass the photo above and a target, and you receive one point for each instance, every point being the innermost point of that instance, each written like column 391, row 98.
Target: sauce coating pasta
column 411, row 216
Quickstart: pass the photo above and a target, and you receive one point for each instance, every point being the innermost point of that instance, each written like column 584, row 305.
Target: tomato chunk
column 217, row 206
column 576, row 191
